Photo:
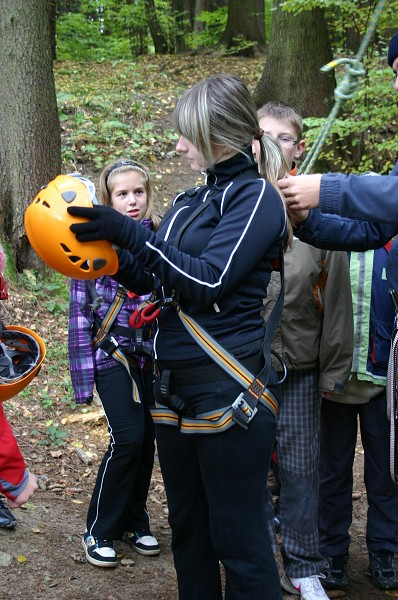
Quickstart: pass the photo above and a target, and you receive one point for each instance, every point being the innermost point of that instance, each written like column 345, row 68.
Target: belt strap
column 215, row 421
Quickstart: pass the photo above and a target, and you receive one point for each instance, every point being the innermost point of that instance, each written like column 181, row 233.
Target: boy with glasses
column 315, row 341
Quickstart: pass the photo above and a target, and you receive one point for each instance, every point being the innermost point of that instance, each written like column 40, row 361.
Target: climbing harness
column 105, row 334
column 244, row 407
column 354, row 71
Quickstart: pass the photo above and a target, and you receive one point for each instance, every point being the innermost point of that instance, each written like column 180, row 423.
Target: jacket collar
column 224, row 172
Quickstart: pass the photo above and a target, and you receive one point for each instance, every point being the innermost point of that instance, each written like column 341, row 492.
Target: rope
column 354, row 71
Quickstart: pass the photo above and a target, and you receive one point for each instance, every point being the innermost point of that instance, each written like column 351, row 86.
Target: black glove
column 105, row 224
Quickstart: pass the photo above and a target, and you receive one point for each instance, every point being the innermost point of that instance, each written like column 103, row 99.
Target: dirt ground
column 42, row 559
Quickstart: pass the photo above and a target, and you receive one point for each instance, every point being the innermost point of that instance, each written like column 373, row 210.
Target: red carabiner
column 135, row 320
column 150, row 313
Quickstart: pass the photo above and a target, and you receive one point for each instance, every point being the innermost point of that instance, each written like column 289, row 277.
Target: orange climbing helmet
column 22, row 352
column 47, row 225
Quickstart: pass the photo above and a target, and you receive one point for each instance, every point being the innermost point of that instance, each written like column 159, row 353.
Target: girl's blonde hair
column 273, row 166
column 220, row 111
column 123, row 165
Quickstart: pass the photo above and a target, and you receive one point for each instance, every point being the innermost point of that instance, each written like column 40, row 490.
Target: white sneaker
column 143, row 542
column 308, row 588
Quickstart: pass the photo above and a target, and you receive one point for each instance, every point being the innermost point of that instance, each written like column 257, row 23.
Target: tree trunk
column 159, row 39
column 181, row 10
column 65, row 6
column 208, row 5
column 52, row 20
column 30, row 154
column 246, row 22
column 299, row 47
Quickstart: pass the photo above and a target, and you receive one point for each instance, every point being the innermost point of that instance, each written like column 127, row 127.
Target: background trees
column 299, row 47
column 292, row 44
column 29, row 132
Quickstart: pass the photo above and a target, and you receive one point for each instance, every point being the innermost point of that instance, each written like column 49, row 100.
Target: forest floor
column 42, row 558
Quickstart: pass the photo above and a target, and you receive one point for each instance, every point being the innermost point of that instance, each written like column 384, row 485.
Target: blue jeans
column 339, row 427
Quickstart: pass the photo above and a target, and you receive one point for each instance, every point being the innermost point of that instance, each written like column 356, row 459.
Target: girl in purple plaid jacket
column 118, row 503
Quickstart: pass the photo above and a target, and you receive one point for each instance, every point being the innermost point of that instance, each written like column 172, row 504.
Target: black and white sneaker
column 98, row 551
column 7, row 519
column 143, row 542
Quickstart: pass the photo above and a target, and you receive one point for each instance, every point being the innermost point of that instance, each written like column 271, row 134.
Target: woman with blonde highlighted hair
column 210, row 264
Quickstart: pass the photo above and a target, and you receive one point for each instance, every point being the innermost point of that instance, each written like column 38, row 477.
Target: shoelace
column 101, row 543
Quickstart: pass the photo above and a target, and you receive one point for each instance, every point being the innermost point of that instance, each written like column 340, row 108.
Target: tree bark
column 299, row 47
column 245, row 21
column 30, row 154
column 159, row 39
column 52, row 23
column 181, row 10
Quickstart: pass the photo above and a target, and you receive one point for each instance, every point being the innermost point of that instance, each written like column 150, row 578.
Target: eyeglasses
column 287, row 141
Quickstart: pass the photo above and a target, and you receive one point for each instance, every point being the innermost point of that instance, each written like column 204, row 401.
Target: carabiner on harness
column 147, row 312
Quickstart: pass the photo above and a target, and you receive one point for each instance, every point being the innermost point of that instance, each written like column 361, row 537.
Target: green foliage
column 50, row 289
column 215, row 23
column 103, row 31
column 106, row 111
column 51, row 435
column 348, row 14
column 240, row 44
column 363, row 137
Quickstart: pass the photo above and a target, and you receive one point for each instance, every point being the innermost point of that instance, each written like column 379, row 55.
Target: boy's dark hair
column 281, row 110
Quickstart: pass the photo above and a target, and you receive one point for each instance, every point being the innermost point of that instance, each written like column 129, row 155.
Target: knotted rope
column 354, row 71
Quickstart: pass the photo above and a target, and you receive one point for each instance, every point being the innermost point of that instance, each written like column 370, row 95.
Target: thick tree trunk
column 183, row 20
column 159, row 39
column 299, row 47
column 245, row 21
column 30, row 153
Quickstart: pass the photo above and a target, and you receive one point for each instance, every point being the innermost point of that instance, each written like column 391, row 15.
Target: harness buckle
column 108, row 345
column 242, row 412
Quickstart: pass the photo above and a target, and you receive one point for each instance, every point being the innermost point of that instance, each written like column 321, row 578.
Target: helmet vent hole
column 98, row 263
column 69, row 195
column 46, row 204
column 74, row 259
column 65, row 248
column 37, row 200
column 85, row 266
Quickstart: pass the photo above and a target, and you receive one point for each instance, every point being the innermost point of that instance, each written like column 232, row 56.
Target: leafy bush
column 214, row 25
